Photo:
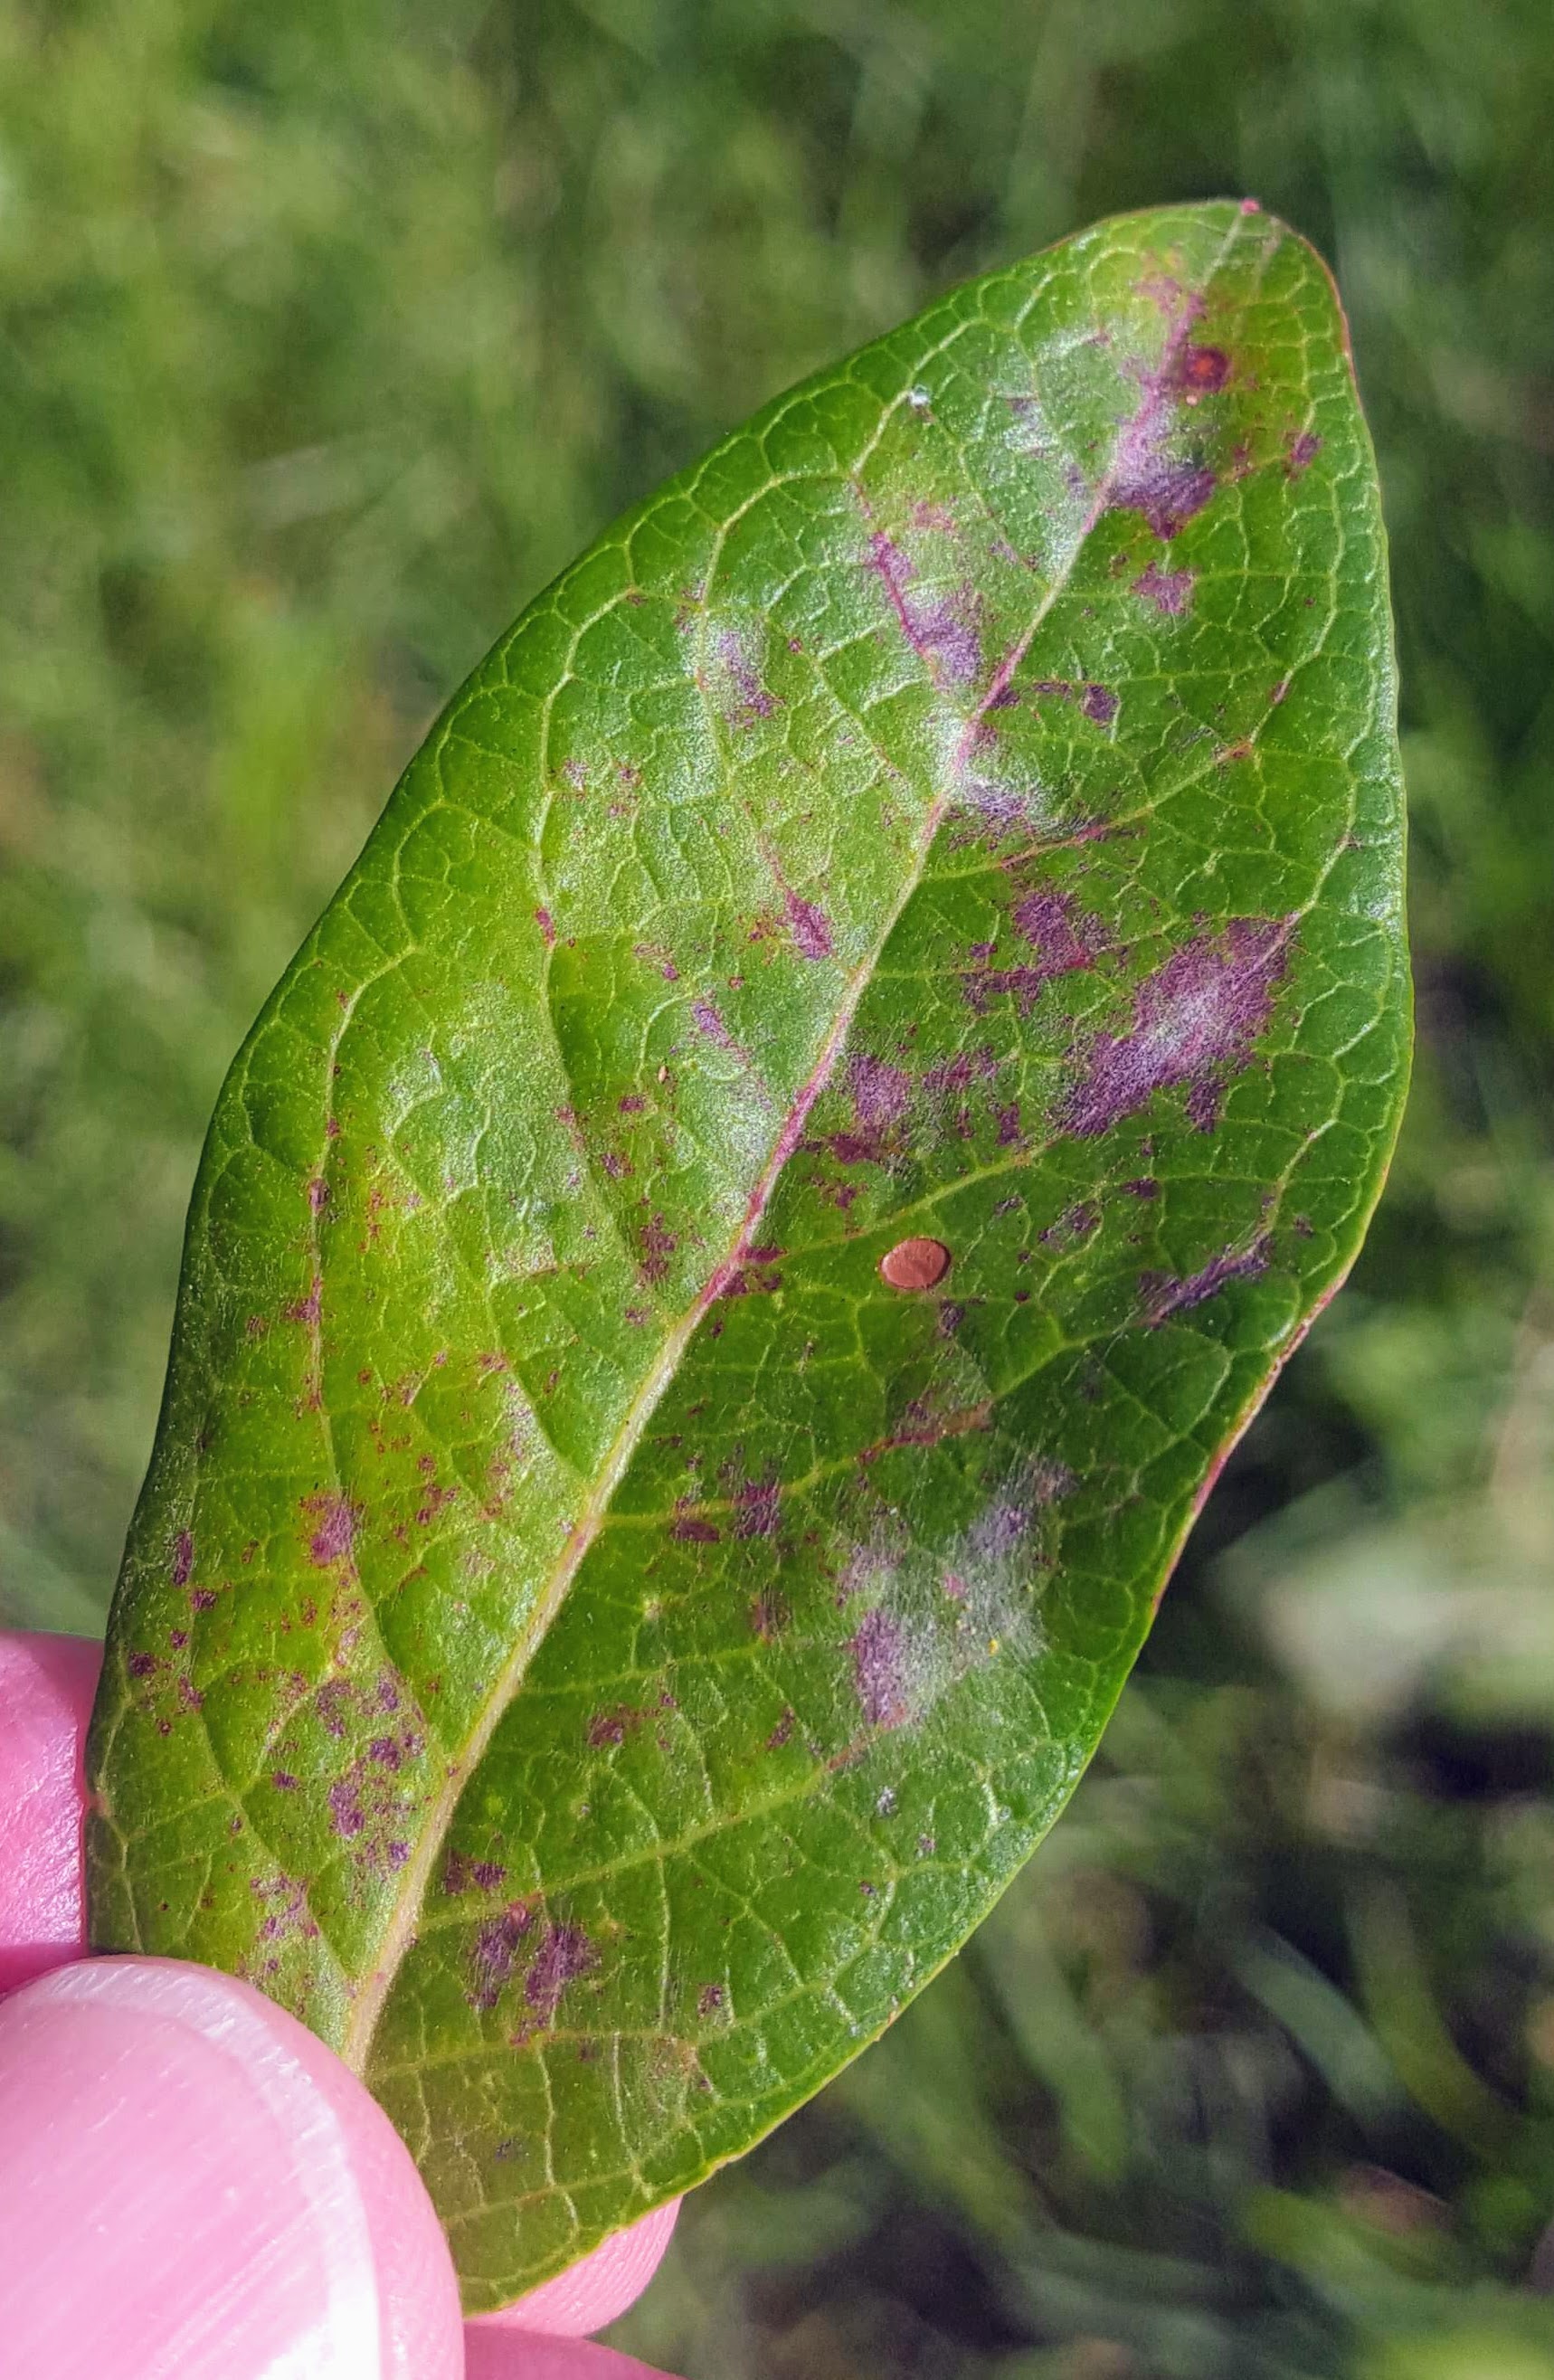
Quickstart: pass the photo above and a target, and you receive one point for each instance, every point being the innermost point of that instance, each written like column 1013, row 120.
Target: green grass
column 329, row 331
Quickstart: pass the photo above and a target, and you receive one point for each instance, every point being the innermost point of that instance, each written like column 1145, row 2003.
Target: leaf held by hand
column 726, row 1267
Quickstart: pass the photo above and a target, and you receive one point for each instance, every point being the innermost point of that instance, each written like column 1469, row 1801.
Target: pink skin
column 192, row 2181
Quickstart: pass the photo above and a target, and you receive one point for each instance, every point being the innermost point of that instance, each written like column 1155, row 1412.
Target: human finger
column 46, row 1686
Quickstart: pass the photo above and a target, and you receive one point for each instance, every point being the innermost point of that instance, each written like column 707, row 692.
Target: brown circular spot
column 915, row 1264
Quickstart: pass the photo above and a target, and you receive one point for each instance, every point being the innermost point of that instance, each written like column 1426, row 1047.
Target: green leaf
column 589, row 1642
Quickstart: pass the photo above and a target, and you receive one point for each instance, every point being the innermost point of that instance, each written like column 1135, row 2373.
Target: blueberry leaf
column 725, row 1270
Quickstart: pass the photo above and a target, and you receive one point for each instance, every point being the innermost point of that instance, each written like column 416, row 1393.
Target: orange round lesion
column 915, row 1264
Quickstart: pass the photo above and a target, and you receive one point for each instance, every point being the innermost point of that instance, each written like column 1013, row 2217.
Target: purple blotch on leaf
column 1201, row 1011
column 809, row 927
column 563, row 1955
column 1146, row 477
column 1169, row 591
column 880, row 1092
column 757, row 1508
column 1164, row 1295
column 707, row 1022
column 334, row 1533
column 937, row 631
column 1063, row 937
column 461, row 1872
column 878, row 1669
column 496, row 1947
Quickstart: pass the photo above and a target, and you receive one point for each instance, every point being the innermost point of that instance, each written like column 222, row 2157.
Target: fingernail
column 194, row 2185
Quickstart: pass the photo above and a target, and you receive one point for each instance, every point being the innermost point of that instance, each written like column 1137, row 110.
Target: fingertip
column 198, row 2185
column 493, row 2354
column 593, row 2291
column 46, row 1689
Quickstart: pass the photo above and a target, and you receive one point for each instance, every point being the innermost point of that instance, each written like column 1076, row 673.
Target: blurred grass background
column 329, row 329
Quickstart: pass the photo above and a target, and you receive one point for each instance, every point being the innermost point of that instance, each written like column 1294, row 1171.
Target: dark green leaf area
column 726, row 1267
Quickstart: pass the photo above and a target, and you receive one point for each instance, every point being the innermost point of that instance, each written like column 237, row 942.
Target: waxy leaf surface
column 592, row 1642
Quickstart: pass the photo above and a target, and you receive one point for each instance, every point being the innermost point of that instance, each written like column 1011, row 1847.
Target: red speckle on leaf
column 769, row 1615
column 1201, row 370
column 659, row 1243
column 615, row 1726
column 142, row 1665
column 202, row 1599
column 1166, row 493
column 1202, row 1011
column 1302, row 453
column 1169, row 591
column 318, row 1194
column 1098, row 702
column 692, row 1531
column 183, row 1558
column 460, row 1872
column 546, row 923
column 563, row 1955
column 878, row 1669
column 284, row 1781
column 708, row 1999
column 309, row 1308
column 782, row 1733
column 1164, row 1295
column 750, row 1280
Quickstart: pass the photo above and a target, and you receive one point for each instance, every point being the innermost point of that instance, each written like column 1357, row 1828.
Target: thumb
column 195, row 2185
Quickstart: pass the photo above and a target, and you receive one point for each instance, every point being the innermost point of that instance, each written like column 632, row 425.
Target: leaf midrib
column 399, row 1935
